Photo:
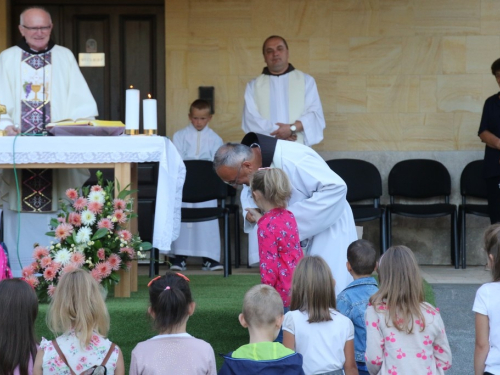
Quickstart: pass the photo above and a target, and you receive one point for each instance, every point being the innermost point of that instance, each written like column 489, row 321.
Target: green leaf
column 54, row 223
column 99, row 234
column 146, row 246
column 70, row 240
column 125, row 193
column 50, row 234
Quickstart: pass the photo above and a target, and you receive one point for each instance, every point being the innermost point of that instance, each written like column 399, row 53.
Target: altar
column 119, row 153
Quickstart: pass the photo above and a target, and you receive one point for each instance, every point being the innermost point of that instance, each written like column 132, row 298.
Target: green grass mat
column 218, row 303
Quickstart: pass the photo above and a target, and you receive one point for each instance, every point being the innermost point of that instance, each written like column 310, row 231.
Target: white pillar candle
column 132, row 105
column 150, row 118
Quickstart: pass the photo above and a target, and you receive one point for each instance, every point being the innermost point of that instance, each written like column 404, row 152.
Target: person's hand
column 253, row 215
column 283, row 132
column 12, row 130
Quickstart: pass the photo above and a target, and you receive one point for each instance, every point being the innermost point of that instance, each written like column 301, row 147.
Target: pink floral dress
column 279, row 250
column 393, row 352
column 79, row 359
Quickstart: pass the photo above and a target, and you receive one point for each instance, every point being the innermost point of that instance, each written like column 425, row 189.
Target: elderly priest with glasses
column 40, row 83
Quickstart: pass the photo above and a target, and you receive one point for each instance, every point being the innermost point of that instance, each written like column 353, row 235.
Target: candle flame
column 149, row 96
column 131, row 86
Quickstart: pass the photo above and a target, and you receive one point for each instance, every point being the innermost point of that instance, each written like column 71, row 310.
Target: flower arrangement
column 90, row 233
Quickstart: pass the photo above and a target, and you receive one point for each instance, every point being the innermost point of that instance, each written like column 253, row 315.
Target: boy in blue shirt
column 352, row 301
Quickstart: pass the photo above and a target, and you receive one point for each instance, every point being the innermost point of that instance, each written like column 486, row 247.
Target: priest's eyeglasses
column 234, row 183
column 41, row 28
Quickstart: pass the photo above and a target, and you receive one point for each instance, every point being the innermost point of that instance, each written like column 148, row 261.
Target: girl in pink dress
column 278, row 236
column 404, row 334
column 18, row 311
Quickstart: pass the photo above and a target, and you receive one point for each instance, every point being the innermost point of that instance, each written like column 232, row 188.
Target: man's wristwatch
column 293, row 128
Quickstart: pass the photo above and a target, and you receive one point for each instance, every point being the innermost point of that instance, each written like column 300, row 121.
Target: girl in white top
column 313, row 327
column 78, row 311
column 173, row 351
column 487, row 352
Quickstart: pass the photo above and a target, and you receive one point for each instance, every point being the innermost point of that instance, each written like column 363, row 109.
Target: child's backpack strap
column 5, row 272
column 61, row 355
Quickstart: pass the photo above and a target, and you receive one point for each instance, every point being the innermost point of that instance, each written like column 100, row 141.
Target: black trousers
column 493, row 188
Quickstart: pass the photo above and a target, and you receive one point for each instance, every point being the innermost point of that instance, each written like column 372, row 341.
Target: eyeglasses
column 41, row 28
column 177, row 273
column 234, row 183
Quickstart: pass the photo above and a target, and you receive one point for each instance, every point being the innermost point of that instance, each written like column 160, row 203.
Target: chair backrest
column 202, row 183
column 472, row 182
column 361, row 177
column 419, row 178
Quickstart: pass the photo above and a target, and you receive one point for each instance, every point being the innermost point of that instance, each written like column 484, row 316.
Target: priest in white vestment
column 283, row 102
column 40, row 82
column 324, row 217
column 198, row 142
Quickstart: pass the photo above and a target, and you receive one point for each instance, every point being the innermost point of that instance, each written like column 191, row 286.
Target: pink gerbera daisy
column 95, row 207
column 105, row 223
column 49, row 274
column 51, row 290
column 119, row 204
column 75, row 219
column 77, row 259
column 32, row 280
column 96, row 188
column 64, row 230
column 96, row 274
column 115, row 261
column 61, row 219
column 128, row 250
column 120, row 216
column 101, row 254
column 72, row 194
column 104, row 268
column 125, row 234
column 45, row 261
column 56, row 266
column 40, row 252
column 28, row 271
column 69, row 267
column 80, row 204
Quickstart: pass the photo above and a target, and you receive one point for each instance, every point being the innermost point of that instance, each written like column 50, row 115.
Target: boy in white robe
column 198, row 142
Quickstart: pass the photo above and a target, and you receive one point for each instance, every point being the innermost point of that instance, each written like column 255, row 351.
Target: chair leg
column 237, row 248
column 383, row 234
column 454, row 239
column 227, row 252
column 389, row 228
column 152, row 262
column 463, row 245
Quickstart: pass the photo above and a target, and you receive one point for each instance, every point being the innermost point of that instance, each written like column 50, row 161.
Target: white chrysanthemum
column 83, row 235
column 63, row 256
column 88, row 218
column 97, row 196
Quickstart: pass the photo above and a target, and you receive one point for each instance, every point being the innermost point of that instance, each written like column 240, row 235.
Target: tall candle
column 132, row 105
column 150, row 118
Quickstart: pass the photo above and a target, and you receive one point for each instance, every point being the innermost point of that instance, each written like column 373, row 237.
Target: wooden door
column 132, row 37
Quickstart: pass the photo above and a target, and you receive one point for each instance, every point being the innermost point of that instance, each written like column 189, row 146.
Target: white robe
column 198, row 239
column 312, row 118
column 320, row 207
column 70, row 99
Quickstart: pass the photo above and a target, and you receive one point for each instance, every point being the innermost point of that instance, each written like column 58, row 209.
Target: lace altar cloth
column 122, row 149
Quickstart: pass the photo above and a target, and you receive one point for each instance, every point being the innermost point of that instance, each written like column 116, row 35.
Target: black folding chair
column 472, row 184
column 234, row 209
column 422, row 179
column 363, row 182
column 202, row 184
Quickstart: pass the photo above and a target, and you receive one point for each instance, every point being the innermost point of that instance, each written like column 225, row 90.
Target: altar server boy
column 198, row 142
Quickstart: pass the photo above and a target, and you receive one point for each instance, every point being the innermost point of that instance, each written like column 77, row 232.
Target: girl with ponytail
column 173, row 350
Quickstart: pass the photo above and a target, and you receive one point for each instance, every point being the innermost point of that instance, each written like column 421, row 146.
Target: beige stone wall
column 4, row 24
column 392, row 74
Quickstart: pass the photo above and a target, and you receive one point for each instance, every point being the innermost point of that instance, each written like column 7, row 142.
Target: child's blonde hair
column 313, row 289
column 262, row 305
column 78, row 304
column 400, row 289
column 492, row 245
column 274, row 185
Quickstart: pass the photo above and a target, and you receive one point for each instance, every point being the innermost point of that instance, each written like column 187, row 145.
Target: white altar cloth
column 122, row 149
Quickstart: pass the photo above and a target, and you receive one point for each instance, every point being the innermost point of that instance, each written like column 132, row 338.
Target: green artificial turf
column 218, row 303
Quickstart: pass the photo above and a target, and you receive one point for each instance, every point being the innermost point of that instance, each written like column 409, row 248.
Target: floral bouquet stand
column 91, row 232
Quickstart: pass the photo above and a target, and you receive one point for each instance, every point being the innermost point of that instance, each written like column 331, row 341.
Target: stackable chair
column 422, row 179
column 202, row 184
column 234, row 209
column 363, row 183
column 472, row 184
